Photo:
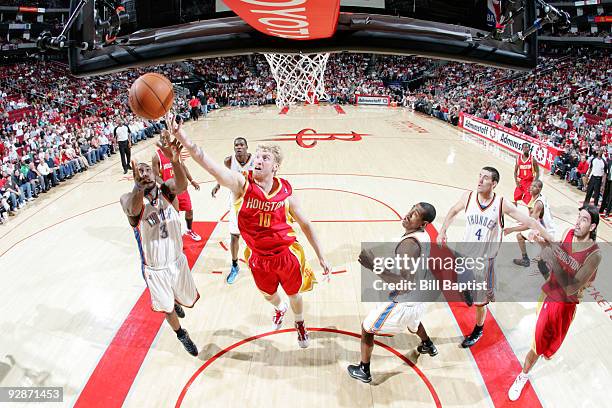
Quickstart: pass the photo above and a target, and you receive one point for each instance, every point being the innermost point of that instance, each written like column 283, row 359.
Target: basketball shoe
column 359, row 372
column 279, row 314
column 427, row 347
column 303, row 337
column 473, row 338
column 193, row 235
column 231, row 278
column 189, row 345
column 517, row 386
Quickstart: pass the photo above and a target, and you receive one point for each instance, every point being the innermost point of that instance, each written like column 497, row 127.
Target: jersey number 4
column 479, row 234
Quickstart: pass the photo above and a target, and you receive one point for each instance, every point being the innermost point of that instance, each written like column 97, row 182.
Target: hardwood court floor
column 74, row 313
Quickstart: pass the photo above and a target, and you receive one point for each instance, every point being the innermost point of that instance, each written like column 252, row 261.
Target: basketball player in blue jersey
column 151, row 209
column 484, row 211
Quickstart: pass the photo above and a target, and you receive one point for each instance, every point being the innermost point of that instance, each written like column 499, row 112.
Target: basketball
column 151, row 96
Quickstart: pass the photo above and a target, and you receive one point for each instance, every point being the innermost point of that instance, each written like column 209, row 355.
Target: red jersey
column 570, row 262
column 165, row 166
column 526, row 170
column 264, row 219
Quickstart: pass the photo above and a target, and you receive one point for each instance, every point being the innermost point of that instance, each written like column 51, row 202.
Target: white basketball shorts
column 389, row 319
column 170, row 284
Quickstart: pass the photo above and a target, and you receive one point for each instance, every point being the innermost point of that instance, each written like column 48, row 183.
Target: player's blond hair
column 274, row 149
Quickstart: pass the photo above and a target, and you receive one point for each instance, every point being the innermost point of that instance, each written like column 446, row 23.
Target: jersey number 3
column 163, row 231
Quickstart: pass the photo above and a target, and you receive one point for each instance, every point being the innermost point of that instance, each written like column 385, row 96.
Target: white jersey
column 422, row 272
column 546, row 220
column 244, row 169
column 484, row 228
column 158, row 233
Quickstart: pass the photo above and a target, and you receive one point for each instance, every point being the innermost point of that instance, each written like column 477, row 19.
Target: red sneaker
column 303, row 337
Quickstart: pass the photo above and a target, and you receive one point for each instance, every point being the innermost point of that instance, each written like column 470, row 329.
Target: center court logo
column 308, row 138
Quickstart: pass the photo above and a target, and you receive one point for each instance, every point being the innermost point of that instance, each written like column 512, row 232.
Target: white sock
column 299, row 317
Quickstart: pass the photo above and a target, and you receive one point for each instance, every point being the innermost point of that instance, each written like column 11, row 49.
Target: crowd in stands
column 53, row 125
column 566, row 102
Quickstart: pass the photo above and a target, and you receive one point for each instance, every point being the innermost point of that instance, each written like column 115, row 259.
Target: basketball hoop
column 299, row 77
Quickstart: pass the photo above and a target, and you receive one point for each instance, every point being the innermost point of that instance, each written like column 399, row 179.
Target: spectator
column 595, row 174
column 122, row 133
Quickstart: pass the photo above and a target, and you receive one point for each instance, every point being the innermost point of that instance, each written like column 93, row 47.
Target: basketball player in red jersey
column 572, row 265
column 526, row 171
column 266, row 206
column 162, row 168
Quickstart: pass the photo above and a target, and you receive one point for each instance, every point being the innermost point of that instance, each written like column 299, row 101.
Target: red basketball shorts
column 553, row 322
column 288, row 269
column 184, row 201
column 521, row 192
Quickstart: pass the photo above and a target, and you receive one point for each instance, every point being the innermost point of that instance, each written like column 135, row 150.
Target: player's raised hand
column 171, row 123
column 172, row 150
column 176, row 130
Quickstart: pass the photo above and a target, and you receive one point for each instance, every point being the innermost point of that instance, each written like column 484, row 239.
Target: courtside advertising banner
column 372, row 100
column 509, row 139
column 292, row 19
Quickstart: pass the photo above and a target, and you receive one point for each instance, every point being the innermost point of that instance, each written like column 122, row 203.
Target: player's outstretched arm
column 450, row 217
column 234, row 181
column 513, row 212
column 306, row 226
column 537, row 209
column 228, row 164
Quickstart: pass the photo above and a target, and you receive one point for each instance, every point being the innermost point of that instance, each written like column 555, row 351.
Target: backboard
column 161, row 31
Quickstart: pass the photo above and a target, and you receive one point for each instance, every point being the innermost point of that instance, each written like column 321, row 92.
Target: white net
column 299, row 77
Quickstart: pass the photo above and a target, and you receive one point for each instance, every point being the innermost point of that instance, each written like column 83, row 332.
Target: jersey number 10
column 264, row 219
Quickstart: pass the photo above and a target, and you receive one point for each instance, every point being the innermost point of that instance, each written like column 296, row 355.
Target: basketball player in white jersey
column 152, row 212
column 242, row 162
column 484, row 212
column 539, row 210
column 407, row 308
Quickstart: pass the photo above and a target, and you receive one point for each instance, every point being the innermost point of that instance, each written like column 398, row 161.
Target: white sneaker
column 193, row 235
column 517, row 387
column 279, row 314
